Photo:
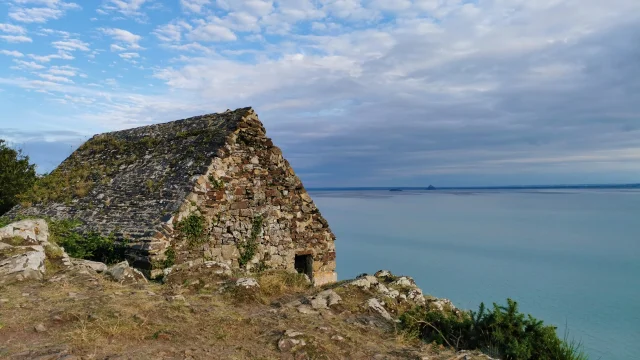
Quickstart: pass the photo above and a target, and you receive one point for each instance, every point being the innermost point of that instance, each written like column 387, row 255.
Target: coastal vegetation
column 502, row 331
column 17, row 176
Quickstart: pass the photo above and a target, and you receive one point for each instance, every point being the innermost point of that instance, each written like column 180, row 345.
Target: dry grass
column 96, row 318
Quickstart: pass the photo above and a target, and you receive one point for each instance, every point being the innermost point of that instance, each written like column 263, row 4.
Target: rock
column 383, row 274
column 219, row 267
column 289, row 342
column 247, row 283
column 34, row 231
column 93, row 265
column 337, row 338
column 27, row 265
column 173, row 298
column 364, row 281
column 375, row 305
column 306, row 309
column 325, row 299
column 404, row 281
column 417, row 296
column 40, row 328
column 292, row 333
column 123, row 273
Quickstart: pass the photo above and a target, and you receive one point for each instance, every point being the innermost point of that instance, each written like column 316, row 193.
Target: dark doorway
column 304, row 265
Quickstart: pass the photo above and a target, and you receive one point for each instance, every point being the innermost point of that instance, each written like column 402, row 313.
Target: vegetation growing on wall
column 502, row 331
column 192, row 228
column 217, row 184
column 249, row 248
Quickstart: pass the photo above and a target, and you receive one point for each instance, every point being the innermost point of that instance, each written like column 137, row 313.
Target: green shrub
column 192, row 227
column 503, row 331
column 217, row 184
column 90, row 246
column 17, row 176
column 170, row 257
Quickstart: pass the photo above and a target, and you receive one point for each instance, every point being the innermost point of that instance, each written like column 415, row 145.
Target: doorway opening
column 304, row 265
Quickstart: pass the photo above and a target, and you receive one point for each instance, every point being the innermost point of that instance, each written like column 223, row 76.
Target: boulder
column 93, row 265
column 22, row 250
column 364, row 281
column 324, row 299
column 27, row 263
column 123, row 273
column 383, row 274
column 404, row 281
column 375, row 305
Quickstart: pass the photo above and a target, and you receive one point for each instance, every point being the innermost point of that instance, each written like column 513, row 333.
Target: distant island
column 431, row 187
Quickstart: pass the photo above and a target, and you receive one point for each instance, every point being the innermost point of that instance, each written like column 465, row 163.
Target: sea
column 568, row 256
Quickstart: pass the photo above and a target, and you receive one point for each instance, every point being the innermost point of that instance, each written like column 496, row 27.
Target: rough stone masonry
column 208, row 188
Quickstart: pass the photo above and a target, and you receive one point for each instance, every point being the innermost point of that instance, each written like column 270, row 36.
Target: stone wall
column 251, row 181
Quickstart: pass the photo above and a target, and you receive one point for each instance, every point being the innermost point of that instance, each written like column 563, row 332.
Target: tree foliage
column 17, row 175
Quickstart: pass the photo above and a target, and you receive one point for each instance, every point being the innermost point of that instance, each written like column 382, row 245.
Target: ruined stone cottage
column 208, row 188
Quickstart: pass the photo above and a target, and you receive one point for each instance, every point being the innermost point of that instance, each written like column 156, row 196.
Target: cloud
column 53, row 10
column 71, row 45
column 126, row 38
column 15, row 38
column 209, row 32
column 67, row 71
column 169, row 32
column 115, row 47
column 46, row 58
column 12, row 53
column 194, row 5
column 27, row 65
column 126, row 7
column 55, row 78
column 131, row 55
column 374, row 92
column 12, row 29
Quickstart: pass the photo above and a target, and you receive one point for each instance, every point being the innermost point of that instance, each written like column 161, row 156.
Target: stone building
column 208, row 188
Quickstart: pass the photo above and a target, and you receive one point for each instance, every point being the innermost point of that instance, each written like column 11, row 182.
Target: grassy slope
column 94, row 318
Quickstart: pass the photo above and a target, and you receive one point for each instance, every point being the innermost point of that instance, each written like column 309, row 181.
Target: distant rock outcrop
column 431, row 187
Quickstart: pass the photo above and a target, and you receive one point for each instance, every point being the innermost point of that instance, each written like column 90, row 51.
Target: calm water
column 568, row 257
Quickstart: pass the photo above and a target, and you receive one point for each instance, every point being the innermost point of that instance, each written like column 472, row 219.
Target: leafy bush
column 16, row 177
column 503, row 332
column 192, row 227
column 90, row 246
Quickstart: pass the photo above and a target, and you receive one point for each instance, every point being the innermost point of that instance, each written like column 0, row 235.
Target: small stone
column 306, row 309
column 247, row 283
column 337, row 338
column 288, row 344
column 4, row 300
column 292, row 333
column 176, row 298
column 40, row 328
column 72, row 294
column 25, row 294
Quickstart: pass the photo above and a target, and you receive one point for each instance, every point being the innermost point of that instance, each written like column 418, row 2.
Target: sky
column 355, row 92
